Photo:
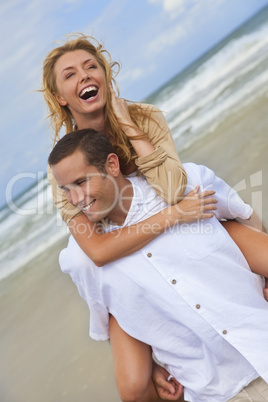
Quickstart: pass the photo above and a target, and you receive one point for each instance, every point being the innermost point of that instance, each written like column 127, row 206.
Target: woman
column 77, row 80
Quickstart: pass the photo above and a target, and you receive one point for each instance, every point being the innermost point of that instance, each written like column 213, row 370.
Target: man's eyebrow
column 76, row 182
column 82, row 178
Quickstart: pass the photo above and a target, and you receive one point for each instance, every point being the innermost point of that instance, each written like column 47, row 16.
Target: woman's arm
column 133, row 369
column 162, row 167
column 157, row 156
column 103, row 248
column 142, row 146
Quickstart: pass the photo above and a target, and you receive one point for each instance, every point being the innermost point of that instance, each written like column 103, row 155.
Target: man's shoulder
column 143, row 192
column 198, row 175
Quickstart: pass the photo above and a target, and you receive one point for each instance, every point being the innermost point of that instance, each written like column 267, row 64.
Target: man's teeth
column 88, row 89
column 87, row 207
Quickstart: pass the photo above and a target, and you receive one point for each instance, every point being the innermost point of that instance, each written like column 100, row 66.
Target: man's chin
column 95, row 218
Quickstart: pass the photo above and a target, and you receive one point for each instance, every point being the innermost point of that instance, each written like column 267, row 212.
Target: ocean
column 217, row 112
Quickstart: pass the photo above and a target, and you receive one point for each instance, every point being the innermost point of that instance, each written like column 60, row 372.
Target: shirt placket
column 182, row 288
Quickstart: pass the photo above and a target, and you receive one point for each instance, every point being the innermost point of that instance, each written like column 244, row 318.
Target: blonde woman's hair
column 61, row 116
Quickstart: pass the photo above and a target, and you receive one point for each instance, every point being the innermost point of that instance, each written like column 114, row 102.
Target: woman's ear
column 112, row 165
column 61, row 101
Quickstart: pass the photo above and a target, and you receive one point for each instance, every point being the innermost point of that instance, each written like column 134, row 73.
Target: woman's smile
column 89, row 93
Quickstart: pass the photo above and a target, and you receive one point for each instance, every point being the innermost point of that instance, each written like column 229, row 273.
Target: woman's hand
column 195, row 206
column 167, row 389
column 139, row 141
column 120, row 109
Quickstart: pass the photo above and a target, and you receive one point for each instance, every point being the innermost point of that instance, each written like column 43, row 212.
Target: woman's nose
column 84, row 76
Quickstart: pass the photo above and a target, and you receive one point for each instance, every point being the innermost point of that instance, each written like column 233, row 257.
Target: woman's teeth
column 88, row 92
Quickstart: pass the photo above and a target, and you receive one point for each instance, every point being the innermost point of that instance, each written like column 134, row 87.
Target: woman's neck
column 93, row 122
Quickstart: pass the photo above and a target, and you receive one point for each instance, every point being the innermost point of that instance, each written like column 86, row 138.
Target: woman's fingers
column 120, row 109
column 197, row 205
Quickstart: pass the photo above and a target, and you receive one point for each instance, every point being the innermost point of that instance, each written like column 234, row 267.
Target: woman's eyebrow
column 71, row 67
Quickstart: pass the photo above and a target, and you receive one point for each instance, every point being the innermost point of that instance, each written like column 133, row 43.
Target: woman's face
column 81, row 85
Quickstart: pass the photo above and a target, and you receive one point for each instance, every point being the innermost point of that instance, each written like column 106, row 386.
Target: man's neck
column 118, row 215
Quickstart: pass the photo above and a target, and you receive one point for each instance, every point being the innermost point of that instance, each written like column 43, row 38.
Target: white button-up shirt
column 189, row 293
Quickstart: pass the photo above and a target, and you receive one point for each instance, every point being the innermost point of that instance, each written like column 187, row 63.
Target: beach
column 217, row 112
column 46, row 353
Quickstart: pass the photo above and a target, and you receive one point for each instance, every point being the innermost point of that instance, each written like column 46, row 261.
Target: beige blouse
column 162, row 167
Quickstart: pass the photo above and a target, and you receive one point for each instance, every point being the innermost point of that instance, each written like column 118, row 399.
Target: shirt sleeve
column 66, row 209
column 230, row 204
column 85, row 275
column 98, row 316
column 162, row 168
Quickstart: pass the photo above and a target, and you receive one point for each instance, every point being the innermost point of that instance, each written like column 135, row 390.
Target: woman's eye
column 69, row 75
column 91, row 66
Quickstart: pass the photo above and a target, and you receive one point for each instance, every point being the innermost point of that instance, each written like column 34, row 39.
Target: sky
column 152, row 39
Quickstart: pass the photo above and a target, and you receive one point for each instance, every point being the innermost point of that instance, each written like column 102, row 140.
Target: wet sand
column 46, row 353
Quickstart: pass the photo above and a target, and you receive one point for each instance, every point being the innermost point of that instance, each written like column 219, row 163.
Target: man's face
column 94, row 192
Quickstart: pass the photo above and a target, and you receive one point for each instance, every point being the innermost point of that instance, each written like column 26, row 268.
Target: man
column 190, row 293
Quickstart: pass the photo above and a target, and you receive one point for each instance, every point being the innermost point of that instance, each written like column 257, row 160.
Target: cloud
column 173, row 7
column 166, row 39
column 133, row 75
column 177, row 8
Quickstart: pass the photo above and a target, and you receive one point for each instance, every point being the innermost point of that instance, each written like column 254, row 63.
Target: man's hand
column 168, row 390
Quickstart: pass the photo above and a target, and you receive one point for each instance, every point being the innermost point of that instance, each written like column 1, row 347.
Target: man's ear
column 112, row 165
column 61, row 101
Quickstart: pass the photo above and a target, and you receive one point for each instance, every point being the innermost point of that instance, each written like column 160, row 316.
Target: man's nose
column 76, row 196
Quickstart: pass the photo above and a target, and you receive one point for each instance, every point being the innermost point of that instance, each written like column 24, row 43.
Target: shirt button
column 224, row 332
column 198, row 306
column 174, row 281
column 149, row 255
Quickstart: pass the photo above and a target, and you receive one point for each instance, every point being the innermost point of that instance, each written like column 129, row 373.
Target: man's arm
column 133, row 369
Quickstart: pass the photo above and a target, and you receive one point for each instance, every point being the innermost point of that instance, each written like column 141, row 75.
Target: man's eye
column 63, row 188
column 82, row 182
